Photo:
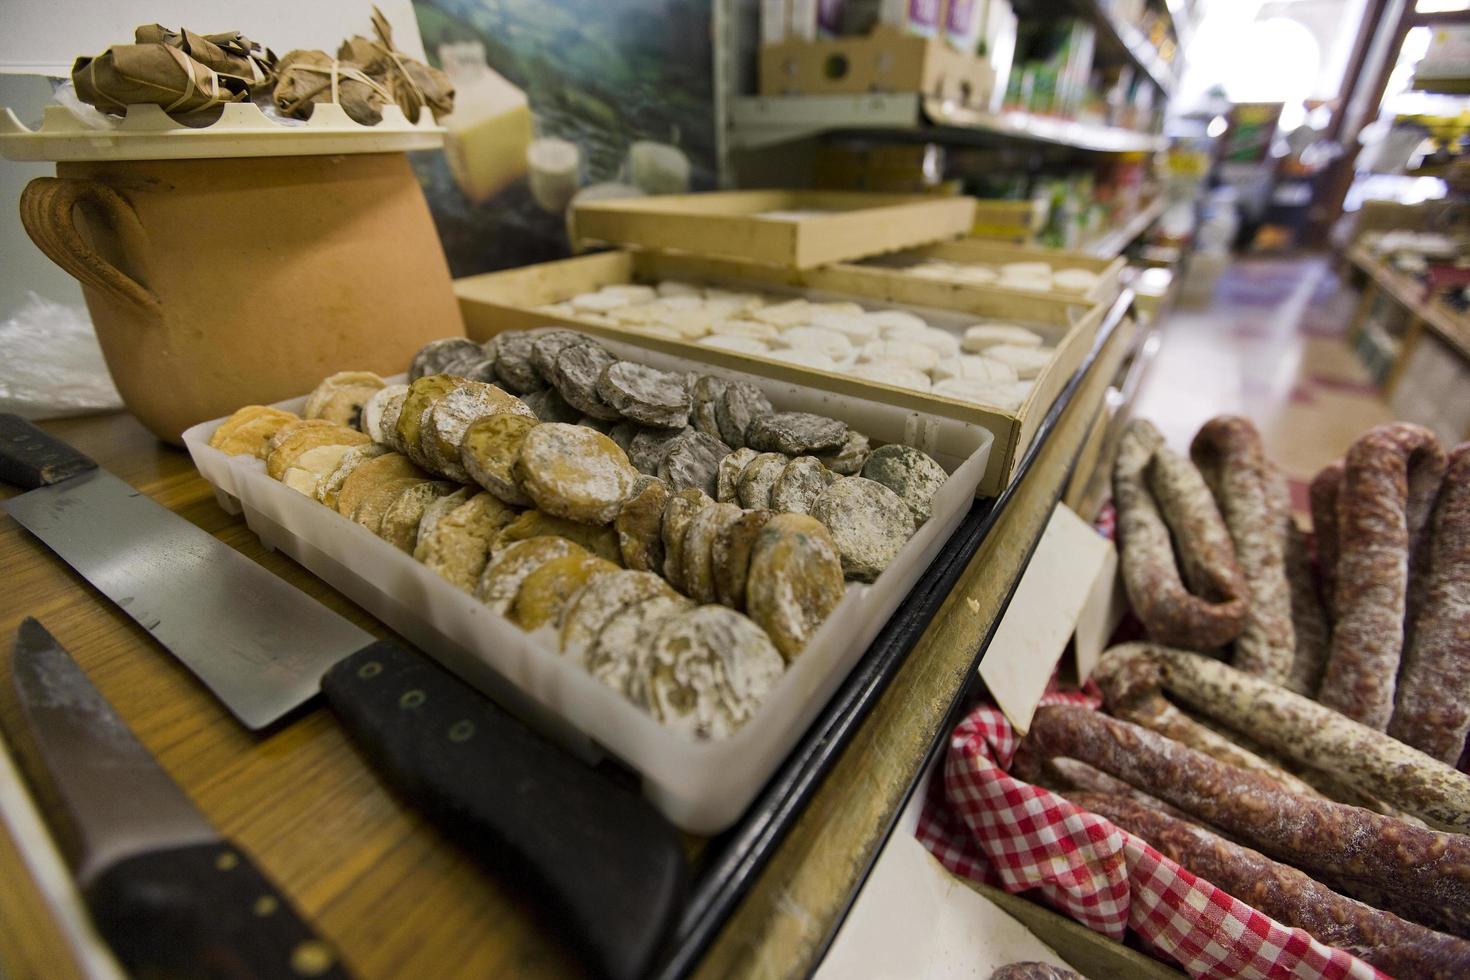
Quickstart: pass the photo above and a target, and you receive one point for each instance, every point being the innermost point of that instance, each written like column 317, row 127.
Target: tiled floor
column 1269, row 346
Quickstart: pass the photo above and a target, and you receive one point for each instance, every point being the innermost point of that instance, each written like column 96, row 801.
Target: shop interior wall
column 557, row 98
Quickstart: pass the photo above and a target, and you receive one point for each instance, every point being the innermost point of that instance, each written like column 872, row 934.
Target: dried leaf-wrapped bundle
column 410, row 83
column 231, row 54
column 304, row 78
column 184, row 72
column 180, row 71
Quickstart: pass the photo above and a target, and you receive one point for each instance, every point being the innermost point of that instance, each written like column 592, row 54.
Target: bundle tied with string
column 367, row 74
column 410, row 83
column 179, row 71
column 304, row 78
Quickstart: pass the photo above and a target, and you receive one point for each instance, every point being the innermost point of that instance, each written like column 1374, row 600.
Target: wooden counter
column 395, row 898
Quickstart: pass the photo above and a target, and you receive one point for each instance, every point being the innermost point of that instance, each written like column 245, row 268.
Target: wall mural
column 560, row 98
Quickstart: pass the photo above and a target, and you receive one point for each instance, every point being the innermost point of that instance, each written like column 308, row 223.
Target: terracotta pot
column 217, row 283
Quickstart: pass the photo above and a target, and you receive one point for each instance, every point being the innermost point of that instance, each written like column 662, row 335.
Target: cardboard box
column 508, row 300
column 1017, row 222
column 909, row 168
column 886, row 60
column 791, row 229
column 978, row 251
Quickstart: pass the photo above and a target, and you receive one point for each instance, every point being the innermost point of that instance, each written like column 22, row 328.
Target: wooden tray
column 979, row 251
column 791, row 229
column 508, row 300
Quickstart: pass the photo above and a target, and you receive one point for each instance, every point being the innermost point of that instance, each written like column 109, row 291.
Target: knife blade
column 172, row 897
column 257, row 642
column 607, row 867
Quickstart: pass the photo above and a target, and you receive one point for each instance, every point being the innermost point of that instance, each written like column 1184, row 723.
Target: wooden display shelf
column 1091, row 485
column 791, row 229
column 980, row 250
column 514, row 299
column 1451, row 327
column 398, row 900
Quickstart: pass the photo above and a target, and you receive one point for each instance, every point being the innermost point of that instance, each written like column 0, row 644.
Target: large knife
column 170, row 895
column 260, row 644
column 608, row 867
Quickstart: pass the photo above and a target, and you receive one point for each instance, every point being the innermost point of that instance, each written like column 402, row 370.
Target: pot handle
column 47, row 210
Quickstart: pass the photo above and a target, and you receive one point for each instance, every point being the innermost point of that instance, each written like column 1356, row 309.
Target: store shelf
column 1442, row 86
column 1116, row 34
column 765, row 120
column 760, row 121
column 1112, row 243
column 1042, row 129
column 1452, row 327
column 1161, row 256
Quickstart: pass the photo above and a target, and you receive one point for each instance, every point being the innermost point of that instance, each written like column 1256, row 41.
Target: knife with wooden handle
column 606, row 865
column 601, row 860
column 170, row 895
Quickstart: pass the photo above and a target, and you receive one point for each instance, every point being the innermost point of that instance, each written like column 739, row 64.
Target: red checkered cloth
column 984, row 825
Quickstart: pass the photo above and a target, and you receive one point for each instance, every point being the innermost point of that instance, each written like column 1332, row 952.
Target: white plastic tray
column 701, row 786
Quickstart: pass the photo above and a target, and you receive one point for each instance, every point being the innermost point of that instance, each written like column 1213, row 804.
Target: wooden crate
column 981, row 251
column 791, row 229
column 887, row 60
column 1093, row 953
column 508, row 300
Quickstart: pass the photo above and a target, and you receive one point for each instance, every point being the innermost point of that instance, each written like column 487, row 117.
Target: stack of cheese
column 1036, row 277
column 991, row 364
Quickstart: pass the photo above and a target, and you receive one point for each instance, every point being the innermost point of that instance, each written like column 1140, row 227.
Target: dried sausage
column 1250, row 494
column 1381, row 512
column 1394, row 945
column 1432, row 706
column 1422, row 874
column 1169, row 611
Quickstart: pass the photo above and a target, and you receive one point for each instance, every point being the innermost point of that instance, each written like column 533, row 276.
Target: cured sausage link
column 1424, row 874
column 1170, row 612
column 1131, row 681
column 1432, row 706
column 1251, row 496
column 1310, row 629
column 1205, row 550
column 1322, row 498
column 1304, row 731
column 1394, row 945
column 1388, row 483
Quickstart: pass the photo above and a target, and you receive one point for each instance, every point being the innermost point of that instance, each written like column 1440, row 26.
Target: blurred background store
column 1205, row 142
column 1288, row 176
